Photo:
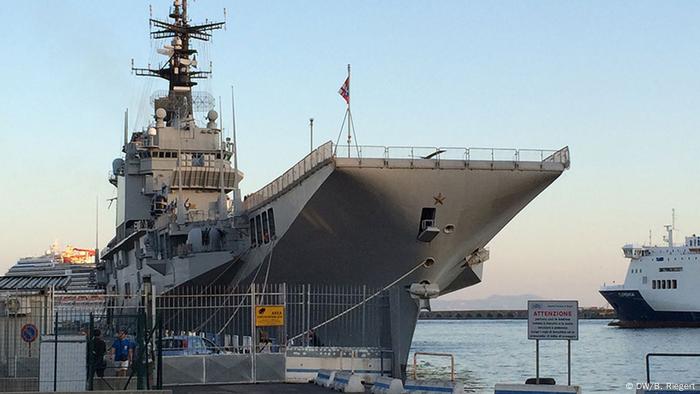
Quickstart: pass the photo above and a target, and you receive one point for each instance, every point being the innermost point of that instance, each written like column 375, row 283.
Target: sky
column 615, row 81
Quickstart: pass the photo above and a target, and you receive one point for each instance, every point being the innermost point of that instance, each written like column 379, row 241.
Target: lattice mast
column 181, row 68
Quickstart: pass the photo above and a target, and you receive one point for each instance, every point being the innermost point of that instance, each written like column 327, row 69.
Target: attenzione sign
column 552, row 320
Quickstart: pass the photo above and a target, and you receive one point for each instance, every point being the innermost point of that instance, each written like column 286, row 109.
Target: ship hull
column 356, row 225
column 633, row 311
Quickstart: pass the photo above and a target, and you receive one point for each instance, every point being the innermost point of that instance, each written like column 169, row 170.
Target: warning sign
column 269, row 315
column 552, row 320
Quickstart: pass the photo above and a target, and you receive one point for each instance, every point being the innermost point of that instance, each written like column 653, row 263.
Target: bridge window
column 253, row 241
column 197, row 160
column 653, row 284
column 674, row 284
column 258, row 230
column 266, row 228
column 671, row 269
column 271, row 219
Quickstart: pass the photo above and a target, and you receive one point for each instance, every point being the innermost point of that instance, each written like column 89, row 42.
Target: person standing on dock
column 123, row 352
column 99, row 349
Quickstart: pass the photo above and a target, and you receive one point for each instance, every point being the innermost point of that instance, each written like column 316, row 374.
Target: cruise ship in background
column 417, row 219
column 76, row 264
column 660, row 287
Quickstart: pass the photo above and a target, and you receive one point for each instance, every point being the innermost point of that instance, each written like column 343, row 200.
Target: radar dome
column 161, row 113
column 118, row 166
column 212, row 115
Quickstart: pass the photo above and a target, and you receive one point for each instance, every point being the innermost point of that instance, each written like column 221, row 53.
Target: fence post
column 286, row 313
column 55, row 352
column 141, row 347
column 159, row 349
column 303, row 311
column 253, row 334
column 91, row 352
column 308, row 314
column 364, row 326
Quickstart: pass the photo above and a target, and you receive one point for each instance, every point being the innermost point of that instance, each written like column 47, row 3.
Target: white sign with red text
column 552, row 320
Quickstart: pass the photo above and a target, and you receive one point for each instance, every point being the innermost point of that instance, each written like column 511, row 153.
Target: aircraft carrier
column 416, row 219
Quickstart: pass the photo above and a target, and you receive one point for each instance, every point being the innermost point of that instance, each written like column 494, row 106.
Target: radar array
column 181, row 68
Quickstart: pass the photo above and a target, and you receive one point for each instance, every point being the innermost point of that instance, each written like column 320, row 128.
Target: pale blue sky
column 615, row 81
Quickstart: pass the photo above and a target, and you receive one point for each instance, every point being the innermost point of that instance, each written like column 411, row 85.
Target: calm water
column 604, row 359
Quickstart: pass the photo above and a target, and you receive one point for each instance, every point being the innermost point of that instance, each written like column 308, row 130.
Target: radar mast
column 181, row 68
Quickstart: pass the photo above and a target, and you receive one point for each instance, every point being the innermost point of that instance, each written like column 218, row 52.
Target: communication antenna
column 236, row 191
column 311, row 132
column 669, row 228
column 673, row 218
column 126, row 128
column 97, row 226
column 649, row 237
column 222, row 193
column 180, row 202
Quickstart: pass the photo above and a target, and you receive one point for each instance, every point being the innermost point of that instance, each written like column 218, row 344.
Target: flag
column 345, row 90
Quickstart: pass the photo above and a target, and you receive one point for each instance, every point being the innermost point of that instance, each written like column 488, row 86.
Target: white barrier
column 536, row 389
column 387, row 385
column 433, row 386
column 348, row 382
column 303, row 363
column 324, row 377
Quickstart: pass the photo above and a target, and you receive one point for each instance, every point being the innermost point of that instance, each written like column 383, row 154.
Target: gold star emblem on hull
column 439, row 199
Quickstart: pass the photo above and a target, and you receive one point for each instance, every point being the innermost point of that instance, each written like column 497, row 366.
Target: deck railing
column 328, row 151
column 451, row 153
column 311, row 162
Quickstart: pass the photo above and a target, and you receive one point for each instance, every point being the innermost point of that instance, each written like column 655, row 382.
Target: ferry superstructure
column 418, row 218
column 659, row 287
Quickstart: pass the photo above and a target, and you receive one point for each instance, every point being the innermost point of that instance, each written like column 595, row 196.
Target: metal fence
column 345, row 316
column 47, row 343
column 191, row 335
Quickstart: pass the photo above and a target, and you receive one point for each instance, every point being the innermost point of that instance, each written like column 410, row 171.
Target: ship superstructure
column 174, row 179
column 659, row 287
column 417, row 219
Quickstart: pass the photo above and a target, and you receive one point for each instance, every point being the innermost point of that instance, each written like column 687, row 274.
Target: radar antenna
column 180, row 69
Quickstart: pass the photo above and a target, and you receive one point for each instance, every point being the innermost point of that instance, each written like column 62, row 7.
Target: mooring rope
column 345, row 312
column 252, row 283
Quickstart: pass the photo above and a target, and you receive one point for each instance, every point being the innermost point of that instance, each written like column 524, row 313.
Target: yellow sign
column 269, row 315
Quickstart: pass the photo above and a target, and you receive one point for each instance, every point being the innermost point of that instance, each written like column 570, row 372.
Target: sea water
column 604, row 359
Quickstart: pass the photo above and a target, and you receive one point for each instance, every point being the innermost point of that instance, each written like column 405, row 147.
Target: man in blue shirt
column 123, row 352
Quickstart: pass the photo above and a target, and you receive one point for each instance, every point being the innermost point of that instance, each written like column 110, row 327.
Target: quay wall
column 515, row 314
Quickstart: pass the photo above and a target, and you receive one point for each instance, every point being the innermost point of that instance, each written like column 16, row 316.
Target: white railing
column 451, row 153
column 329, row 151
column 309, row 163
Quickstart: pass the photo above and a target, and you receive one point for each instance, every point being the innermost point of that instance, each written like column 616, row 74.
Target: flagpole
column 349, row 113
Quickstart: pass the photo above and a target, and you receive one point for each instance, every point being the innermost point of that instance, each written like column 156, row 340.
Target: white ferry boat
column 660, row 286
